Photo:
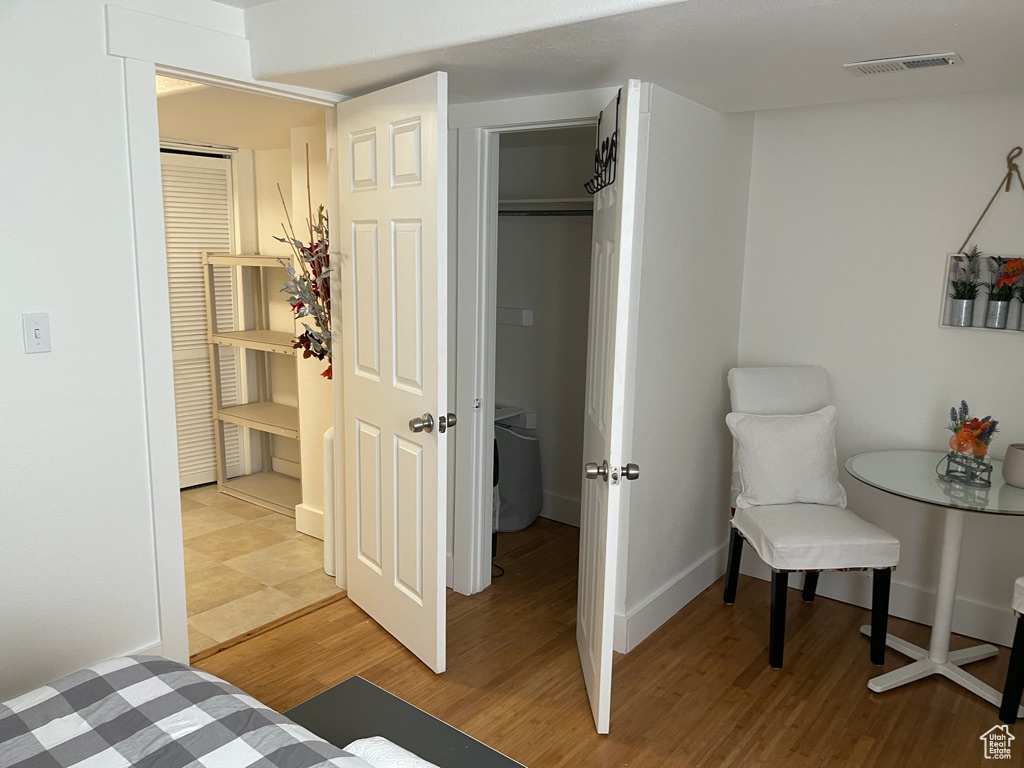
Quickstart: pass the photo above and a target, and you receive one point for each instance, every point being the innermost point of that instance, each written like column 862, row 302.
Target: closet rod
column 545, row 213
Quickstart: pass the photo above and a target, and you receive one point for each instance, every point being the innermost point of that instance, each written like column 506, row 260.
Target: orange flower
column 1012, row 272
column 962, row 441
column 974, row 427
column 979, row 448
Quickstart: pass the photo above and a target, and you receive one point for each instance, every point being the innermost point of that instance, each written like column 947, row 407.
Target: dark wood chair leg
column 777, row 639
column 732, row 573
column 1014, row 686
column 810, row 585
column 880, row 583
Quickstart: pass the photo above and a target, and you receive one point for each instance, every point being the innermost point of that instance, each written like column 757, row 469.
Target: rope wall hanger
column 605, row 155
column 1004, row 185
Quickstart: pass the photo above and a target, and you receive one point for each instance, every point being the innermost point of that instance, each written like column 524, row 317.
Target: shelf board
column 244, row 260
column 267, row 341
column 547, row 204
column 270, row 490
column 275, row 418
column 502, row 412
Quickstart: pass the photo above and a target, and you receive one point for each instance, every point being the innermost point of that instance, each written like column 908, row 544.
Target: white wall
column 273, row 168
column 233, row 118
column 316, row 405
column 853, row 209
column 544, row 266
column 689, row 310
column 77, row 564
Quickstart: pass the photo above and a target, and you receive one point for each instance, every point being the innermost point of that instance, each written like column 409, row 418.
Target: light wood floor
column 698, row 692
column 245, row 566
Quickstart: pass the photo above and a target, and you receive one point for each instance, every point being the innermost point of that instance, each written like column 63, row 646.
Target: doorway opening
column 233, row 165
column 544, row 235
column 605, row 400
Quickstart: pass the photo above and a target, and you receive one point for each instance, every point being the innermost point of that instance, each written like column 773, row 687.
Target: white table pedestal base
column 938, row 659
column 922, row 667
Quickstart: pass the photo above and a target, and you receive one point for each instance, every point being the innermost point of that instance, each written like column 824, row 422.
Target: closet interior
column 545, row 219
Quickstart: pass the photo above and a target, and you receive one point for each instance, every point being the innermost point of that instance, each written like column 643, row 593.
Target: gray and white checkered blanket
column 148, row 711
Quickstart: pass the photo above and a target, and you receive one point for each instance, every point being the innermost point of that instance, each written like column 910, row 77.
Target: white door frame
column 150, row 45
column 479, row 126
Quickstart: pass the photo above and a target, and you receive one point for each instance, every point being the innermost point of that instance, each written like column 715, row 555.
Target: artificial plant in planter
column 965, row 282
column 1009, row 273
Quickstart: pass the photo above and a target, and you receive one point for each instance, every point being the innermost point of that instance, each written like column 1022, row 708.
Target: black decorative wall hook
column 605, row 155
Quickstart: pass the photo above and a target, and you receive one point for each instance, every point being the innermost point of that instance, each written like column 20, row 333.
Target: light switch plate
column 36, row 328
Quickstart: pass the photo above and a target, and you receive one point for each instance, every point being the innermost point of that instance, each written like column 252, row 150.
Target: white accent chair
column 1014, row 686
column 803, row 537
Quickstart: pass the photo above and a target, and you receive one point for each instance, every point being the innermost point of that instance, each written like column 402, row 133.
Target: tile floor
column 244, row 566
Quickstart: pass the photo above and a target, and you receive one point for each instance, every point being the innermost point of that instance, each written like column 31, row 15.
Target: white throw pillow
column 787, row 459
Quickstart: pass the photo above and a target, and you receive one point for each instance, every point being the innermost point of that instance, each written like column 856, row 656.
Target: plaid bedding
column 148, row 711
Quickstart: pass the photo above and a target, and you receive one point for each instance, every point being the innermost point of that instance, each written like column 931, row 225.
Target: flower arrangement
column 971, row 436
column 309, row 287
column 1009, row 273
column 966, row 278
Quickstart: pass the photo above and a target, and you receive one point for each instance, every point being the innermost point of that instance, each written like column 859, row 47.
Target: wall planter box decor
column 986, row 290
column 985, row 311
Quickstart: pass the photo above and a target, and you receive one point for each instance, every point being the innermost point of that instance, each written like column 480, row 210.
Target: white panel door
column 198, row 216
column 392, row 148
column 609, row 375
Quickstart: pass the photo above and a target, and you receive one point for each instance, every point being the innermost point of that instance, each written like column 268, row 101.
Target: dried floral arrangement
column 309, row 286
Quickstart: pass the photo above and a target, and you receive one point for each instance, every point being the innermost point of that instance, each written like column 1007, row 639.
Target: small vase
column 1013, row 465
column 997, row 315
column 963, row 313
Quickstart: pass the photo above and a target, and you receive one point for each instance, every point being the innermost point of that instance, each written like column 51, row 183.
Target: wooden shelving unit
column 266, row 488
column 271, row 490
column 269, row 417
column 267, row 341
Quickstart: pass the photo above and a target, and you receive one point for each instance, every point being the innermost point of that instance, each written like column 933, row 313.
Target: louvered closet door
column 198, row 216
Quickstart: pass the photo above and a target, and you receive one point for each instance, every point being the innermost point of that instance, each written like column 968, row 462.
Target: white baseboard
column 309, row 521
column 640, row 623
column 984, row 622
column 561, row 509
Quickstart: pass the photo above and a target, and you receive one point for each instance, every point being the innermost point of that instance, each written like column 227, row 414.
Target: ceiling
column 167, row 85
column 231, row 118
column 731, row 55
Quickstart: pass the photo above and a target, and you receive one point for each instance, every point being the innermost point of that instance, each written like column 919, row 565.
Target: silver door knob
column 631, row 471
column 424, row 423
column 446, row 422
column 593, row 471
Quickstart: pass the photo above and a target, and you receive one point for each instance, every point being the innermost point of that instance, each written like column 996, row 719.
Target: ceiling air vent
column 902, row 63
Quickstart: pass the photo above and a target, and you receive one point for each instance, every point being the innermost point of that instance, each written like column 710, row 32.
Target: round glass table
column 912, row 475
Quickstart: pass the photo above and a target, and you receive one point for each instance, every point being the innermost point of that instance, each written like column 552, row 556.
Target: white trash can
column 520, row 492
